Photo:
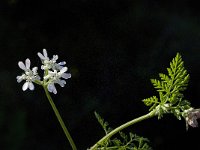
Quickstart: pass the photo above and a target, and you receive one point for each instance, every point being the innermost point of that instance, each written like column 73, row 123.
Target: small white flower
column 29, row 75
column 50, row 63
column 54, row 77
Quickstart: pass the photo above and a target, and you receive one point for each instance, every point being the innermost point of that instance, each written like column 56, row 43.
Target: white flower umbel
column 29, row 75
column 54, row 77
column 50, row 63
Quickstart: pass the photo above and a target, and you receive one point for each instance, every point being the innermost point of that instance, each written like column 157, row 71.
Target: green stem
column 116, row 130
column 60, row 119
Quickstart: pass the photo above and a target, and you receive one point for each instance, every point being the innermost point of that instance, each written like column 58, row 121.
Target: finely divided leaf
column 171, row 86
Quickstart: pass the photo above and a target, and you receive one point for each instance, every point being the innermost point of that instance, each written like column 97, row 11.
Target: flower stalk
column 62, row 124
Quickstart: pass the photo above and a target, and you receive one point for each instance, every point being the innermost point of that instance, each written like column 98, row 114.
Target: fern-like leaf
column 171, row 86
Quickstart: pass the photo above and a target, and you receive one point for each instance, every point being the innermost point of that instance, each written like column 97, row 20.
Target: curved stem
column 116, row 130
column 60, row 119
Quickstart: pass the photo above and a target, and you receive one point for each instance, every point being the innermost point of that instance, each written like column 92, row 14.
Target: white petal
column 21, row 65
column 25, row 86
column 55, row 91
column 64, row 69
column 31, row 86
column 42, row 67
column 57, row 67
column 55, row 57
column 28, row 63
column 19, row 79
column 34, row 70
column 41, row 56
column 50, row 87
column 66, row 75
column 62, row 63
column 61, row 82
column 45, row 53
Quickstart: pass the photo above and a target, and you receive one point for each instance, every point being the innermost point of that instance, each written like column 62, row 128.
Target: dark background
column 112, row 49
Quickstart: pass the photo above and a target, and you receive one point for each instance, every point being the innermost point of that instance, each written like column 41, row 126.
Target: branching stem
column 116, row 130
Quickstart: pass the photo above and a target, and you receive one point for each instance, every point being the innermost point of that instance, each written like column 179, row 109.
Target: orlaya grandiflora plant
column 170, row 99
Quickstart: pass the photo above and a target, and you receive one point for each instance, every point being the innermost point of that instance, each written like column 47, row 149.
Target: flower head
column 50, row 63
column 29, row 75
column 54, row 73
column 191, row 116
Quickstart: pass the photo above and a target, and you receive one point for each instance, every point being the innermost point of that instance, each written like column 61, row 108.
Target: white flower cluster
column 53, row 73
column 29, row 75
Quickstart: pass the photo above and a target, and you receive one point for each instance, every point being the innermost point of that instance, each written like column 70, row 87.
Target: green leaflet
column 103, row 123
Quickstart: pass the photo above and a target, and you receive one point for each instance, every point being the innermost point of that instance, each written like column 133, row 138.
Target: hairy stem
column 60, row 119
column 116, row 130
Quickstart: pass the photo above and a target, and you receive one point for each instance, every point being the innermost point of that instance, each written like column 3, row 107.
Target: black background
column 112, row 49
